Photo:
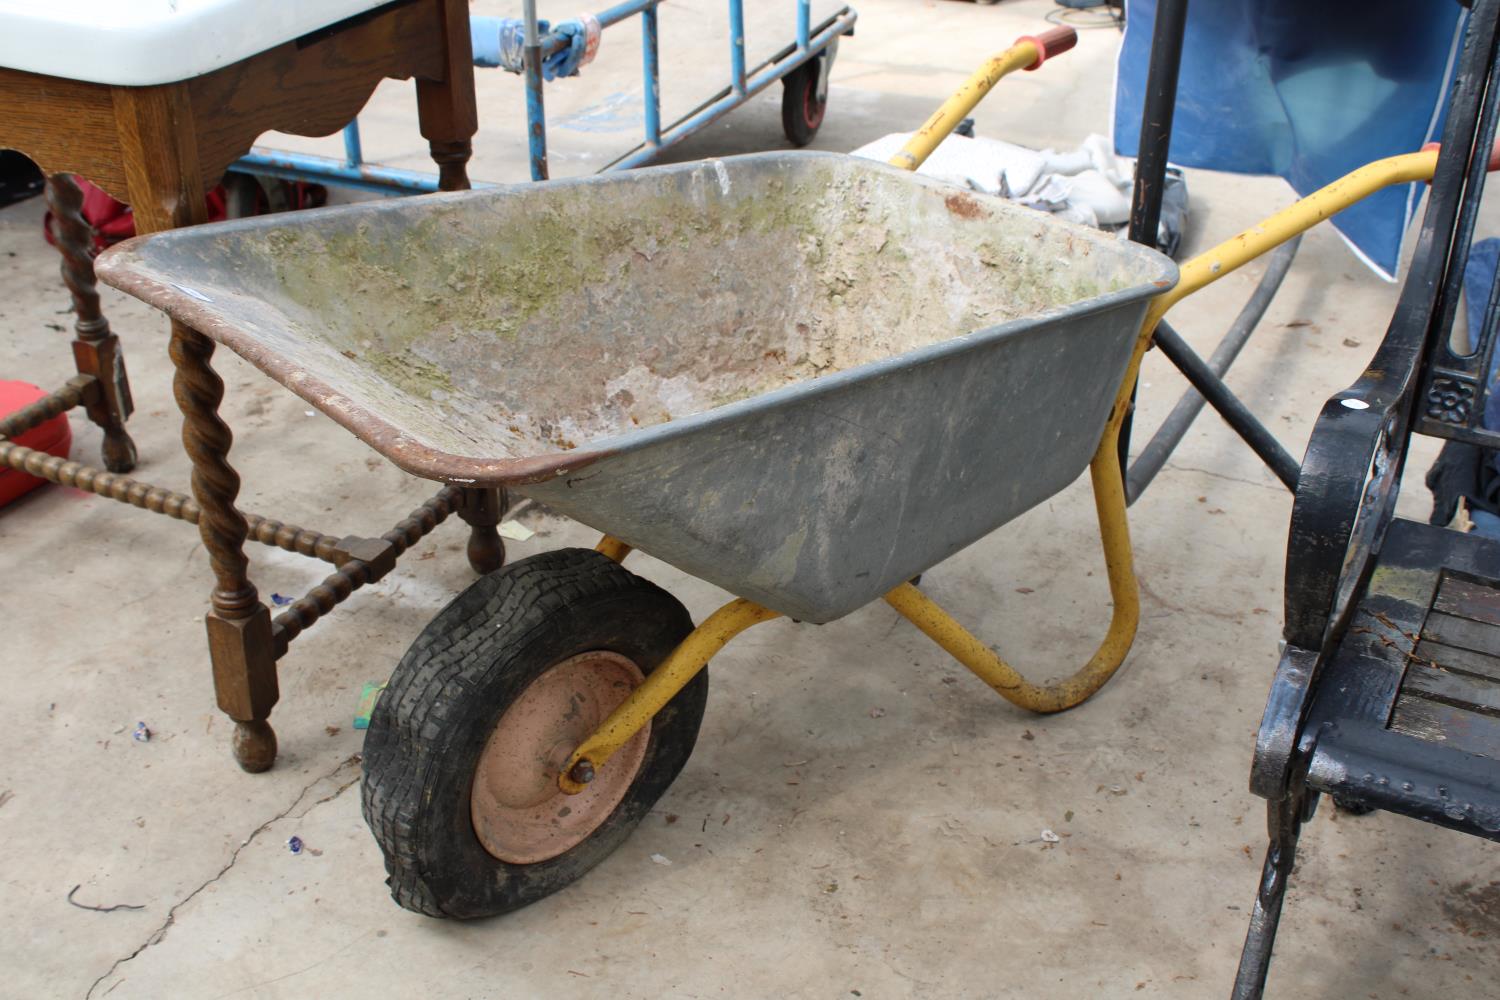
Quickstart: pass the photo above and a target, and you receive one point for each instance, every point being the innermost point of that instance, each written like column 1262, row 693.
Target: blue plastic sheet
column 1304, row 90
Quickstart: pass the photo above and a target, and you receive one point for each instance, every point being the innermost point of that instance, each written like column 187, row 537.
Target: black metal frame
column 1328, row 725
column 1330, row 720
column 1206, row 377
column 1150, row 459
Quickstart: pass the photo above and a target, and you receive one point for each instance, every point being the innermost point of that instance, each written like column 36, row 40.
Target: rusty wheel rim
column 812, row 108
column 519, row 813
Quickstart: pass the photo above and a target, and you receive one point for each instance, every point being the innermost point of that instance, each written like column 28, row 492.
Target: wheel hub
column 519, row 814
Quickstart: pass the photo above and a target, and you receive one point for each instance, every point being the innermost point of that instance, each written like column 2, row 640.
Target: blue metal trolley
column 802, row 65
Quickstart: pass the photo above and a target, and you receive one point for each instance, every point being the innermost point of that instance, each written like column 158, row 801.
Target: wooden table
column 159, row 147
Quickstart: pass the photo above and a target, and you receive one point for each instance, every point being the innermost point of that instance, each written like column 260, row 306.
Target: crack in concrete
column 161, row 932
column 1274, row 488
column 1179, row 609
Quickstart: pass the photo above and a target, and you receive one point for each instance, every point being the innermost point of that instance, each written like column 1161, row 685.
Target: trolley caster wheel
column 804, row 100
column 465, row 744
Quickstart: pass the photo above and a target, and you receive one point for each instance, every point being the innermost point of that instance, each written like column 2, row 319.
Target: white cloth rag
column 1088, row 185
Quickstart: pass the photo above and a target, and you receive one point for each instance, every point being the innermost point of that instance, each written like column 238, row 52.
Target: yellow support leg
column 1114, row 532
column 681, row 666
column 1109, row 488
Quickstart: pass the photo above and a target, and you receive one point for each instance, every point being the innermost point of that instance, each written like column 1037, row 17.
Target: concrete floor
column 820, row 848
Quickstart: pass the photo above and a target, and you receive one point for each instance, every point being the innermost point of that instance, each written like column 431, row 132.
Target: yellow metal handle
column 1029, row 52
column 1243, row 247
column 1298, row 217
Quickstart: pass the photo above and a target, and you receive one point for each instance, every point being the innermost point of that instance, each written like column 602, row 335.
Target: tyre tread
column 435, row 678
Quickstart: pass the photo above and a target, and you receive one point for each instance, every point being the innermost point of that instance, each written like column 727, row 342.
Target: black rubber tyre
column 801, row 111
column 469, row 664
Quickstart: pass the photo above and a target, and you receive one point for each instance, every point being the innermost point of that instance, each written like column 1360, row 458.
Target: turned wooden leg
column 445, row 107
column 482, row 510
column 96, row 350
column 158, row 139
column 239, row 626
column 452, row 159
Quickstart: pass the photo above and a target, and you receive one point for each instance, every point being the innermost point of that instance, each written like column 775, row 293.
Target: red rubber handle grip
column 1053, row 42
column 1494, row 163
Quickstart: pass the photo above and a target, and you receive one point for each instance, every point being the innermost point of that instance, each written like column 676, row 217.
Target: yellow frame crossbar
column 693, row 654
column 612, row 548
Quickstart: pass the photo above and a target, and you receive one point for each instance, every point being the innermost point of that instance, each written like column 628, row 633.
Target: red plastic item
column 113, row 221
column 1492, row 166
column 1053, row 42
column 53, row 436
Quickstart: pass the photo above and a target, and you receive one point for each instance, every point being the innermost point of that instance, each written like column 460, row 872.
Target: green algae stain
column 409, row 373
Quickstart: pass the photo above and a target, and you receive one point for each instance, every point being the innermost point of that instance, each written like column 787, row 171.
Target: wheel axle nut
column 582, row 772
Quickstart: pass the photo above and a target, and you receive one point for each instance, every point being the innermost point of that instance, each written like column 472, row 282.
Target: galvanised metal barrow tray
column 803, row 377
column 800, row 376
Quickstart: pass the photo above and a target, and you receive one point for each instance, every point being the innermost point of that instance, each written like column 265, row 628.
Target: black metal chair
column 1387, row 695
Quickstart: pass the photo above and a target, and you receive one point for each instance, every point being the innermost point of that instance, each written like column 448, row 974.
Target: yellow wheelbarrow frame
column 693, row 654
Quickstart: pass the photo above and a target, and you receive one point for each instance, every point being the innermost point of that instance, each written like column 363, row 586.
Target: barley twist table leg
column 96, row 349
column 239, row 625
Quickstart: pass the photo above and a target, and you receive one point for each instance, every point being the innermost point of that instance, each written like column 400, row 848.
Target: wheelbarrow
column 803, row 377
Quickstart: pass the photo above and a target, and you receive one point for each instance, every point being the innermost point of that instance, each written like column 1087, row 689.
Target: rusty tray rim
column 116, row 268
